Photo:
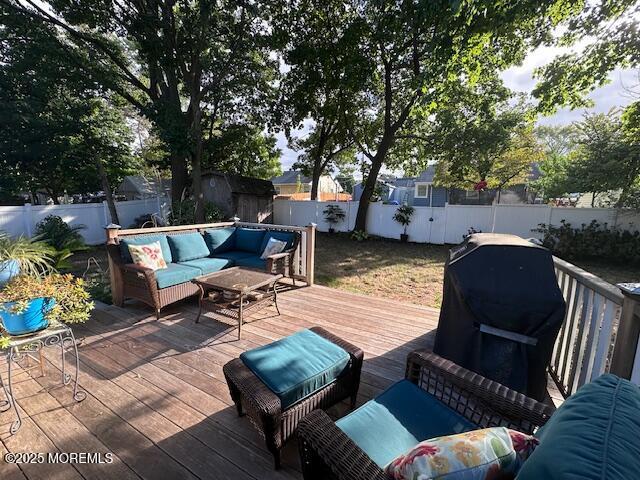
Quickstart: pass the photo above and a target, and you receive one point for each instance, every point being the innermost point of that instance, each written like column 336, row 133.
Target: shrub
column 592, row 241
column 333, row 215
column 183, row 212
column 34, row 258
column 62, row 237
column 359, row 235
column 403, row 216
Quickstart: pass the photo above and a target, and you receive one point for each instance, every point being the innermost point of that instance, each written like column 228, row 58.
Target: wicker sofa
column 327, row 452
column 227, row 246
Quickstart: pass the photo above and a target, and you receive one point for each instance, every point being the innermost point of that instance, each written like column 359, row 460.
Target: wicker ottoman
column 276, row 415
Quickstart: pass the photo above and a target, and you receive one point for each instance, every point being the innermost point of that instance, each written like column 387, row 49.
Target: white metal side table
column 20, row 347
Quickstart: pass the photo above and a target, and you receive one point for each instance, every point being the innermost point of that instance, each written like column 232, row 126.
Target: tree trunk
column 315, row 179
column 104, row 181
column 178, row 177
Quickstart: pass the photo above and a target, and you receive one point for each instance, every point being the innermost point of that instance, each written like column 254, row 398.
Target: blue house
column 419, row 191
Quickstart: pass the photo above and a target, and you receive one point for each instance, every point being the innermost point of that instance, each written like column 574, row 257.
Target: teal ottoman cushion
column 287, row 237
column 249, row 240
column 593, row 435
column 145, row 240
column 252, row 262
column 297, row 366
column 220, row 240
column 399, row 418
column 175, row 274
column 187, row 246
column 208, row 265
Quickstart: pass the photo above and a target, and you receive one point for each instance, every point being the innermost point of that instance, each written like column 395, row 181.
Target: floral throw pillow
column 488, row 454
column 149, row 256
column 273, row 246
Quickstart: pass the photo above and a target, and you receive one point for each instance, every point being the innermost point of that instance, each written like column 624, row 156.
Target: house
column 250, row 199
column 292, row 181
column 139, row 187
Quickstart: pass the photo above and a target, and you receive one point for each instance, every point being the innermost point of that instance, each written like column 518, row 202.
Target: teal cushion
column 234, row 255
column 175, row 274
column 297, row 366
column 287, row 237
column 187, row 246
column 145, row 240
column 220, row 240
column 208, row 265
column 252, row 262
column 396, row 420
column 593, row 435
column 249, row 239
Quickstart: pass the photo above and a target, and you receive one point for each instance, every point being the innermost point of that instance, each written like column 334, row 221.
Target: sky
column 520, row 78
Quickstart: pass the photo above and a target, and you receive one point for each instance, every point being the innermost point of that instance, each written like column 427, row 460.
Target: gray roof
column 242, row 184
column 144, row 186
column 290, row 177
column 427, row 175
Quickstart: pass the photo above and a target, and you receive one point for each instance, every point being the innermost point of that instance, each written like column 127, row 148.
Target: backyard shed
column 250, row 199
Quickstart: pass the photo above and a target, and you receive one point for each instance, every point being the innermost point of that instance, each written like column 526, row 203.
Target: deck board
column 157, row 398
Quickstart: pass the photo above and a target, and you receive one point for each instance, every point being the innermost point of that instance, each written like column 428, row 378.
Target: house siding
column 421, row 201
column 439, row 195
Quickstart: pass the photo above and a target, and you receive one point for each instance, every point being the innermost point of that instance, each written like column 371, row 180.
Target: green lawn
column 408, row 272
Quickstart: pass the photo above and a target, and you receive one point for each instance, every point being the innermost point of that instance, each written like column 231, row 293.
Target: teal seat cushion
column 220, row 240
column 593, row 435
column 145, row 240
column 252, row 262
column 249, row 240
column 175, row 274
column 187, row 246
column 297, row 366
column 234, row 255
column 396, row 420
column 287, row 237
column 208, row 265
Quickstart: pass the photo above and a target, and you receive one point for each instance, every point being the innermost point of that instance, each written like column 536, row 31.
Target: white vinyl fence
column 22, row 220
column 448, row 224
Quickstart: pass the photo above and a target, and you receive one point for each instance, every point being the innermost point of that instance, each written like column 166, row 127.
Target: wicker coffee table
column 235, row 291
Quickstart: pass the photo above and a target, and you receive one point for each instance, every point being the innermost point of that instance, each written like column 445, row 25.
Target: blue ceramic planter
column 29, row 321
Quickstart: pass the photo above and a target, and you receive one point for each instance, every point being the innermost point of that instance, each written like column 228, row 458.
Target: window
column 422, row 190
column 277, row 189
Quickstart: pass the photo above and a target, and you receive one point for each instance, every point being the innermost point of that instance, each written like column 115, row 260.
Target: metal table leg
column 240, row 316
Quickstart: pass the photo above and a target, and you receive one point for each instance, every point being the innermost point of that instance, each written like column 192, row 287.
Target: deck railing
column 590, row 338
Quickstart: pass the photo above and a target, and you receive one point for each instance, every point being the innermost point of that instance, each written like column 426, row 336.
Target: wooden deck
column 157, row 399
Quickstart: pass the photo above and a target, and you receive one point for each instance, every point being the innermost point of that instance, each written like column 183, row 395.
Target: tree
column 557, row 143
column 316, row 40
column 418, row 51
column 188, row 66
column 59, row 133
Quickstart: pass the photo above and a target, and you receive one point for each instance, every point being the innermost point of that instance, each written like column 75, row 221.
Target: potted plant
column 403, row 217
column 333, row 215
column 21, row 255
column 29, row 303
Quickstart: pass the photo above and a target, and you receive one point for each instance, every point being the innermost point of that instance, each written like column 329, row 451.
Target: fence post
column 27, row 219
column 105, row 212
column 115, row 276
column 311, row 252
column 624, row 352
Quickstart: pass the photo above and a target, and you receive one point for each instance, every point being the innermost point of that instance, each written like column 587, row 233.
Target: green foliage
column 333, row 214
column 403, row 216
column 63, row 238
column 593, row 241
column 184, row 213
column 34, row 257
column 72, row 301
column 359, row 235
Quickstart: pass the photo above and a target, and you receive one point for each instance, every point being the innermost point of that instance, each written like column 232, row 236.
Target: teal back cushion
column 249, row 239
column 287, row 237
column 396, row 420
column 297, row 366
column 187, row 246
column 595, row 434
column 145, row 240
column 220, row 240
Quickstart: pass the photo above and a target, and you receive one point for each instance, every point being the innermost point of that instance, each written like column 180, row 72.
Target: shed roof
column 290, row 177
column 242, row 184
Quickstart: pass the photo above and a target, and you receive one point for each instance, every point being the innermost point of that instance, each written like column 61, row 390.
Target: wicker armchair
column 327, row 452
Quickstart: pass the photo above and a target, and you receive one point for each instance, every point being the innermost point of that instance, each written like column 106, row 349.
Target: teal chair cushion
column 593, row 435
column 252, row 262
column 234, row 255
column 188, row 246
column 249, row 240
column 175, row 274
column 145, row 240
column 396, row 420
column 220, row 240
column 297, row 366
column 287, row 237
column 208, row 265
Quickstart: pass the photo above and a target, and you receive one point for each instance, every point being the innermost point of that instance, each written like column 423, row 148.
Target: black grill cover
column 506, row 287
